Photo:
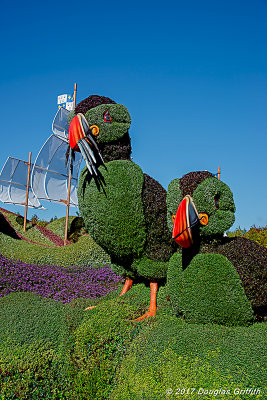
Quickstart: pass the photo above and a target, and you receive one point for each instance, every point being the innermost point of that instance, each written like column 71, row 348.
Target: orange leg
column 127, row 286
column 153, row 302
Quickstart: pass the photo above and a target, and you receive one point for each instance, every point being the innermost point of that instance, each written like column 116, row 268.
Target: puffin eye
column 216, row 202
column 107, row 117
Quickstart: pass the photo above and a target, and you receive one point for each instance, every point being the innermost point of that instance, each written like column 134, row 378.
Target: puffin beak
column 186, row 218
column 81, row 139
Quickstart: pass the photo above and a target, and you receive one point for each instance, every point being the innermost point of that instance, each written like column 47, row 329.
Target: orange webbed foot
column 153, row 302
column 149, row 313
column 89, row 308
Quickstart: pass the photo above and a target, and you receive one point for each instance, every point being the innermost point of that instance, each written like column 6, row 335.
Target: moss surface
column 208, row 290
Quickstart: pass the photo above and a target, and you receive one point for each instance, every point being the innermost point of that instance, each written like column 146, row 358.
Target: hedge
column 250, row 260
column 32, row 232
column 113, row 213
column 171, row 354
column 83, row 252
column 208, row 290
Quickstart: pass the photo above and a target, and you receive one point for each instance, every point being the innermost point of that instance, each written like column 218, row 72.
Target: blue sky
column 192, row 74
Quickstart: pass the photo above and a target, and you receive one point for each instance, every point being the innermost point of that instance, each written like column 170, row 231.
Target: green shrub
column 257, row 234
column 250, row 260
column 101, row 342
column 84, row 252
column 33, row 371
column 27, row 317
column 173, row 354
column 208, row 290
column 113, row 213
column 35, row 347
column 150, row 269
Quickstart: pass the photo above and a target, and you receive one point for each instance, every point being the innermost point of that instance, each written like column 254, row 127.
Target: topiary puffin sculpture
column 125, row 211
column 212, row 278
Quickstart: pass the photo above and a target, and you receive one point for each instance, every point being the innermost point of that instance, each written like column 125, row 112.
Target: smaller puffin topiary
column 211, row 277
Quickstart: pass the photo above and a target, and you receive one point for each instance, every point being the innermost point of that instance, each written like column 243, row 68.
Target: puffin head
column 99, row 130
column 199, row 206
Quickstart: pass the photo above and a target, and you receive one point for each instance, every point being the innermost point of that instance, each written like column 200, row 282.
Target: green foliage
column 58, row 226
column 208, row 290
column 35, row 343
column 250, row 260
column 101, row 342
column 31, row 233
column 174, row 198
column 150, row 269
column 32, row 371
column 167, row 377
column 27, row 317
column 52, row 351
column 158, row 245
column 204, row 198
column 20, row 220
column 120, row 121
column 113, row 213
column 257, row 234
column 172, row 354
column 83, row 252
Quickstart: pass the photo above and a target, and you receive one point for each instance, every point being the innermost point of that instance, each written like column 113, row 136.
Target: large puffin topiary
column 211, row 278
column 124, row 210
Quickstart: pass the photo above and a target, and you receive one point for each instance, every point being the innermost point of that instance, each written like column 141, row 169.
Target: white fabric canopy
column 49, row 179
column 60, row 125
column 13, row 184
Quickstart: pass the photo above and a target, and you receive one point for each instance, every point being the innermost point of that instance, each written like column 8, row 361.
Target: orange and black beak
column 185, row 220
column 81, row 139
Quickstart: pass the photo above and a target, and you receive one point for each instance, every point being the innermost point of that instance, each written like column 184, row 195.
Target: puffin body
column 124, row 209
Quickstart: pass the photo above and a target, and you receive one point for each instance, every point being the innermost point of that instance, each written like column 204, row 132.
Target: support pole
column 69, row 181
column 27, row 191
column 219, row 173
column 74, row 96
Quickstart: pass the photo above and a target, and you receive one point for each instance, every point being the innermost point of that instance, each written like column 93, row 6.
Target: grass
column 32, row 233
column 104, row 354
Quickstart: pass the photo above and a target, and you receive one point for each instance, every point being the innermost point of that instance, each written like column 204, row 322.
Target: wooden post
column 69, row 181
column 219, row 173
column 27, row 191
column 74, row 96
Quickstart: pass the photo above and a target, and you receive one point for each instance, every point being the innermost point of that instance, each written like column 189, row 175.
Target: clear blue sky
column 193, row 75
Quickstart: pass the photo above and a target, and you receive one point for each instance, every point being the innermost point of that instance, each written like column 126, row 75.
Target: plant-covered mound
column 82, row 253
column 35, row 335
column 33, row 233
column 59, row 283
column 250, row 260
column 58, row 226
column 171, row 359
column 208, row 290
column 6, row 227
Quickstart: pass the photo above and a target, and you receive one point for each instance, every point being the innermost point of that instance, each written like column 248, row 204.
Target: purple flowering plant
column 63, row 284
